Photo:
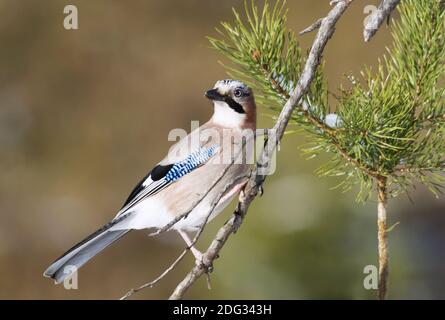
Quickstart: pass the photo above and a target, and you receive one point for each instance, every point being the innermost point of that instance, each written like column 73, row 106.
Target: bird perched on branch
column 198, row 178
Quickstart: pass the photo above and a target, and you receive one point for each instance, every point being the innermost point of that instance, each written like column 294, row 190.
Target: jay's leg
column 196, row 252
column 227, row 197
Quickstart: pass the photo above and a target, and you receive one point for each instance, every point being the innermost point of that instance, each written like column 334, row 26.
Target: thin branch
column 332, row 133
column 432, row 120
column 312, row 27
column 152, row 283
column 185, row 214
column 382, row 239
column 195, row 239
column 255, row 182
column 219, row 196
column 376, row 18
column 418, row 169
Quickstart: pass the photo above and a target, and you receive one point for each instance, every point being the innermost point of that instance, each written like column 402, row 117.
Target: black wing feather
column 156, row 174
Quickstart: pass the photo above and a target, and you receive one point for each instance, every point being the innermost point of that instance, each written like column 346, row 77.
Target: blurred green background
column 85, row 113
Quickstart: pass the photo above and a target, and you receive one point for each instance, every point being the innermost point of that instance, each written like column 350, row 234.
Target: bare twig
column 255, row 182
column 199, row 200
column 219, row 196
column 152, row 283
column 198, row 234
column 312, row 27
column 382, row 239
column 194, row 205
column 377, row 17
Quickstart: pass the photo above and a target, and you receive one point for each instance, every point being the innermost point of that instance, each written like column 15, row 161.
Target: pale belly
column 151, row 213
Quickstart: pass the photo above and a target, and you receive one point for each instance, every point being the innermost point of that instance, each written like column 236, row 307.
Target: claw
column 260, row 191
column 242, row 196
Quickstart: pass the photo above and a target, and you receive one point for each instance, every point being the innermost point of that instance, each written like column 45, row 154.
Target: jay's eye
column 238, row 93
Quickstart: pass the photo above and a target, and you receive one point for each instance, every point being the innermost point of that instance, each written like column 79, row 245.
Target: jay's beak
column 214, row 95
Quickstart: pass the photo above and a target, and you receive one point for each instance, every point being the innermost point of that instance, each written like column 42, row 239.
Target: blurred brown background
column 85, row 113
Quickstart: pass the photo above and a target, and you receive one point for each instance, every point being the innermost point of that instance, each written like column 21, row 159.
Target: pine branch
column 332, row 133
column 392, row 128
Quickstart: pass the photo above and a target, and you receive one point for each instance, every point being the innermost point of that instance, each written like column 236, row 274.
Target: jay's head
column 234, row 104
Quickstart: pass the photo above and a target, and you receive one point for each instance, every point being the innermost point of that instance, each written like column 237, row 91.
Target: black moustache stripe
column 234, row 105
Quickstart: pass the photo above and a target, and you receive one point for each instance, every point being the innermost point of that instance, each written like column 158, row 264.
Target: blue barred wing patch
column 193, row 161
column 159, row 178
